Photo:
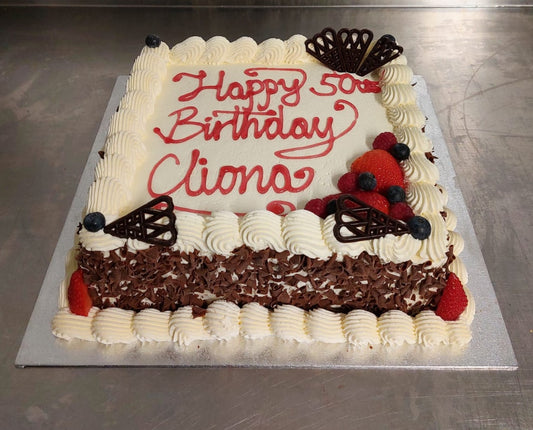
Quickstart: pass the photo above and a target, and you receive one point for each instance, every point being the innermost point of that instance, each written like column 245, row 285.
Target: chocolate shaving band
column 363, row 222
column 138, row 280
column 148, row 223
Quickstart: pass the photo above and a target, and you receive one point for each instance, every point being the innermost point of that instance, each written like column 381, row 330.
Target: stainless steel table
column 57, row 69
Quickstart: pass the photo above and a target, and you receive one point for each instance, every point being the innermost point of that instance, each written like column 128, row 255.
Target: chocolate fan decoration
column 348, row 50
column 363, row 222
column 148, row 223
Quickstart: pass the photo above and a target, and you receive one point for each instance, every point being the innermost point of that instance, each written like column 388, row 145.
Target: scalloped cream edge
column 225, row 320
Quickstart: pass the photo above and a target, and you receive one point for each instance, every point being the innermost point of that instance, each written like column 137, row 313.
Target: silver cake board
column 490, row 347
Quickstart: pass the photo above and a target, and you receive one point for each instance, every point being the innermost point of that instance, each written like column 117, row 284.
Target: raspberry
column 401, row 211
column 79, row 301
column 453, row 301
column 373, row 199
column 347, row 182
column 317, row 206
column 383, row 166
column 384, row 141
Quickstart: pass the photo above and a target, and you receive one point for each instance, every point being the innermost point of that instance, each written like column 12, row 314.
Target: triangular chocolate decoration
column 355, row 45
column 355, row 221
column 327, row 48
column 346, row 50
column 148, row 223
column 382, row 52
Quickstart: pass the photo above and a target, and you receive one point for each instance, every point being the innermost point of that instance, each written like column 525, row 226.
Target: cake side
column 299, row 234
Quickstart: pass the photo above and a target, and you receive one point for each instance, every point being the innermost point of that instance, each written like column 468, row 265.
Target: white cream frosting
column 431, row 330
column 397, row 95
column 418, row 168
column 261, row 230
column 406, row 116
column 191, row 233
column 396, row 74
column 361, row 328
column 299, row 232
column 289, row 323
column 114, row 325
column 221, row 233
column 185, row 329
column 396, row 249
column 150, row 325
column 413, row 138
column 255, row 321
column 302, row 231
column 396, row 328
column 325, row 326
column 224, row 321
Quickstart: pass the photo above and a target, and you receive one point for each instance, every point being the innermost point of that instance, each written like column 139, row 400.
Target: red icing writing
column 250, row 89
column 196, row 180
column 280, row 207
column 345, row 83
column 261, row 109
column 242, row 124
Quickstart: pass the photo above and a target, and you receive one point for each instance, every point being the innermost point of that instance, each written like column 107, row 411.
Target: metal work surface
column 57, row 69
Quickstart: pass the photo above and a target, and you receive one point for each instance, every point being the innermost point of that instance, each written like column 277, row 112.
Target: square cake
column 283, row 189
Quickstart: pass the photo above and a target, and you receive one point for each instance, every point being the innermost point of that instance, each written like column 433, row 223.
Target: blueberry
column 400, row 151
column 152, row 41
column 367, row 181
column 331, row 207
column 395, row 194
column 420, row 227
column 390, row 37
column 94, row 221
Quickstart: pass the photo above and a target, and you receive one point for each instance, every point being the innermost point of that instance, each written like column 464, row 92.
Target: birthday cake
column 284, row 189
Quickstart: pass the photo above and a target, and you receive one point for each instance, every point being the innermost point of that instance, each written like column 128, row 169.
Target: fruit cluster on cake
column 282, row 189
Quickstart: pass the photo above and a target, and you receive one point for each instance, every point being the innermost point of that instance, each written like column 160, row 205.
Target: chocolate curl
column 364, row 222
column 148, row 223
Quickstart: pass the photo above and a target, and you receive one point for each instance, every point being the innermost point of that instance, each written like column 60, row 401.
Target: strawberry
column 347, row 182
column 385, row 141
column 317, row 206
column 331, row 197
column 402, row 211
column 453, row 301
column 383, row 166
column 79, row 301
column 373, row 199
